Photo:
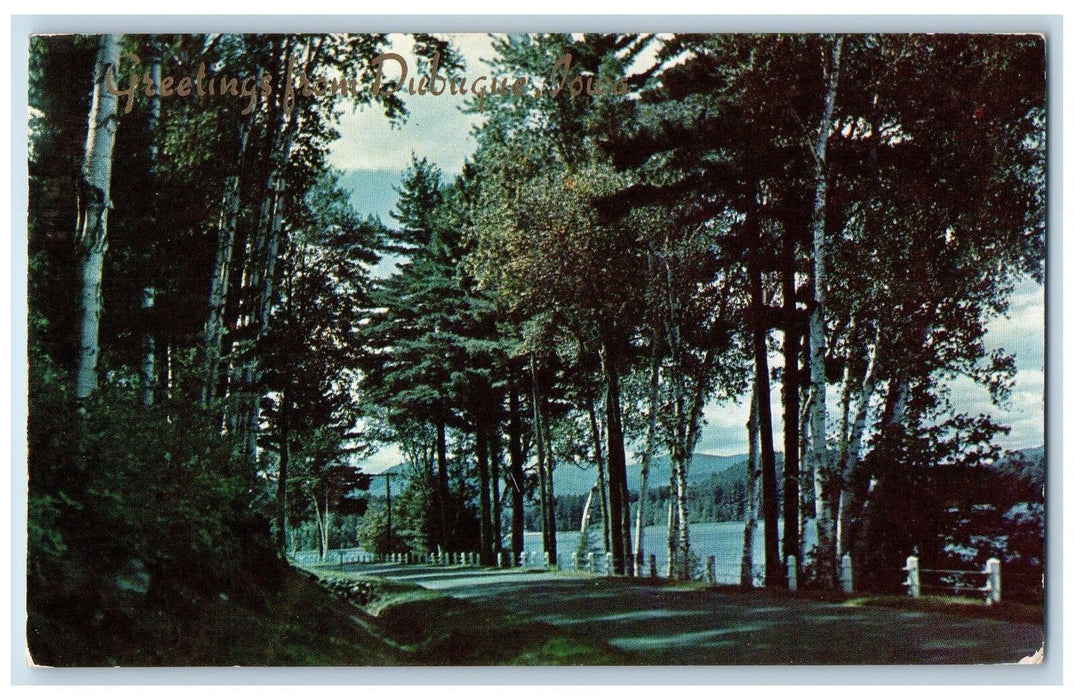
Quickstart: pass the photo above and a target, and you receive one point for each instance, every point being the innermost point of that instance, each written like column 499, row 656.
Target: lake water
column 721, row 540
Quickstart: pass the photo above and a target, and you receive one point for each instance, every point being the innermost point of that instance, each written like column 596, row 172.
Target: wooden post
column 993, row 585
column 652, row 566
column 574, row 561
column 846, row 573
column 591, row 564
column 710, row 570
column 609, row 563
column 547, row 560
column 792, row 573
column 913, row 577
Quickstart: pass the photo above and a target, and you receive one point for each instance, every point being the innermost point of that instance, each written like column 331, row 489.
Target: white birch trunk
column 149, row 343
column 225, row 250
column 854, row 439
column 753, row 474
column 673, row 530
column 817, row 337
column 647, row 458
column 149, row 349
column 679, row 468
column 587, row 511
column 93, row 205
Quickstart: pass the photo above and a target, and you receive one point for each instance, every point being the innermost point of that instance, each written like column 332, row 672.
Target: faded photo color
column 536, row 349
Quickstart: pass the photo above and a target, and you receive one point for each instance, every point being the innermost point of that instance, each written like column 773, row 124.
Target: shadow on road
column 688, row 625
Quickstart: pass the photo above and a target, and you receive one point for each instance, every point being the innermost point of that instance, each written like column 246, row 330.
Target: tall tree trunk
column 773, row 565
column 517, row 475
column 484, row 503
column 218, row 291
column 891, row 422
column 268, row 243
column 285, row 464
column 753, row 471
column 583, row 527
column 791, row 352
column 149, row 344
column 681, row 447
column 806, row 502
column 826, row 565
column 601, row 480
column 495, row 459
column 672, row 530
column 149, row 348
column 852, row 452
column 547, row 518
column 617, row 483
column 443, row 494
column 679, row 465
column 552, row 547
column 94, row 201
column 647, row 456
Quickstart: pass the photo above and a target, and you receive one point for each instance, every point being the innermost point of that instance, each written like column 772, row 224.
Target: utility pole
column 388, row 493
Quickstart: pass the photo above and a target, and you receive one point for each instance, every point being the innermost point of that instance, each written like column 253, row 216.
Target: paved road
column 679, row 625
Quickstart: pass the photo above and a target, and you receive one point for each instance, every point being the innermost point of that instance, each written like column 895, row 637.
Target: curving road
column 663, row 624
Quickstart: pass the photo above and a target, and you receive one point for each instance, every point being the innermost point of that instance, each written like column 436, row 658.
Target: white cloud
column 386, row 457
column 435, row 129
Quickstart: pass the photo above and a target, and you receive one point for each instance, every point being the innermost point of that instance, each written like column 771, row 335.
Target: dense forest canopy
column 823, row 223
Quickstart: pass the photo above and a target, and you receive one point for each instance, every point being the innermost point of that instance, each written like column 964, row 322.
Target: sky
column 374, row 154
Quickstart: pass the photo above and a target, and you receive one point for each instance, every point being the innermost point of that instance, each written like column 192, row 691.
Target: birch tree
column 817, row 333
column 94, row 186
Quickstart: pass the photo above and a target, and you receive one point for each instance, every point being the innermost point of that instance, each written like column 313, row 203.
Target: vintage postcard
column 491, row 349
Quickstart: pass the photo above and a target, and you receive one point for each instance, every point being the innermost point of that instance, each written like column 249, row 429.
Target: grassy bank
column 306, row 620
column 430, row 628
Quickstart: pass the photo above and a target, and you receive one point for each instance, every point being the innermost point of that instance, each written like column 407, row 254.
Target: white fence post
column 574, row 561
column 608, row 564
column 993, row 585
column 846, row 573
column 547, row 560
column 591, row 564
column 913, row 577
column 792, row 573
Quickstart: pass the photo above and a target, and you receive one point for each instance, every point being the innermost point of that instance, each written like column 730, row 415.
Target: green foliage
column 374, row 536
column 131, row 507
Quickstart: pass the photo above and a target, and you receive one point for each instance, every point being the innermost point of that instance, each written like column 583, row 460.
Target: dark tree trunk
column 617, row 486
column 791, row 352
column 285, row 463
column 442, row 493
column 551, row 546
column 495, row 459
column 517, row 475
column 770, row 504
column 547, row 514
column 484, row 503
column 599, row 455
